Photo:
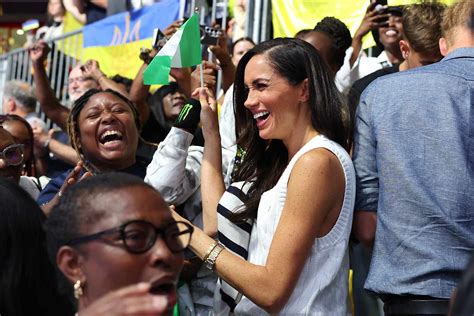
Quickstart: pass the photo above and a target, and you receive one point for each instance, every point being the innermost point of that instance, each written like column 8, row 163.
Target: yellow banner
column 291, row 16
column 71, row 46
column 111, row 58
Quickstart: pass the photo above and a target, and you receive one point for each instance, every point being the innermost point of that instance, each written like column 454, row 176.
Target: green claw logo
column 184, row 112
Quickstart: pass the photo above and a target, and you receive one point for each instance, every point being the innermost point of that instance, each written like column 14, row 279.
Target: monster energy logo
column 183, row 114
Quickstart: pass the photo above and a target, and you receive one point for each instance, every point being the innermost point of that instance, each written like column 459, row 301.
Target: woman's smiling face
column 272, row 100
column 108, row 135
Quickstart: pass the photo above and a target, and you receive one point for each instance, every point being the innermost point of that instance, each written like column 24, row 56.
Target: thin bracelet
column 211, row 248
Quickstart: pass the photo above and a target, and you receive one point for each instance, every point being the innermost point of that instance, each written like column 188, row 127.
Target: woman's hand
column 370, row 21
column 172, row 28
column 73, row 177
column 39, row 52
column 209, row 73
column 134, row 300
column 209, row 119
column 92, row 69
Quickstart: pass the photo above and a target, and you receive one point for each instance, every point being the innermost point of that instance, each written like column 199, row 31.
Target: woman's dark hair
column 27, row 279
column 30, row 166
column 72, row 121
column 242, row 39
column 156, row 104
column 340, row 36
column 75, row 211
column 264, row 161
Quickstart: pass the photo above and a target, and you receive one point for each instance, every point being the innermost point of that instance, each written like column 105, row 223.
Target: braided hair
column 73, row 120
column 29, row 166
column 340, row 35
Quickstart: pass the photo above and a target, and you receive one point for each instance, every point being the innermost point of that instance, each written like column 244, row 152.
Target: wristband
column 189, row 116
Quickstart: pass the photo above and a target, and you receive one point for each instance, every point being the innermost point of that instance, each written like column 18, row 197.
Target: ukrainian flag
column 115, row 41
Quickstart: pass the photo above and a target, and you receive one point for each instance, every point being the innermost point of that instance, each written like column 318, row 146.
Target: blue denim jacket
column 414, row 160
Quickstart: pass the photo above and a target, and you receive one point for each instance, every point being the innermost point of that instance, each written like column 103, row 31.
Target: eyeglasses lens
column 13, row 155
column 139, row 237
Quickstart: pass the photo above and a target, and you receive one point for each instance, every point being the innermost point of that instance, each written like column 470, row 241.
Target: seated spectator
column 23, row 134
column 103, row 127
column 27, row 278
column 11, row 164
column 19, row 98
column 125, row 257
column 412, row 155
column 331, row 38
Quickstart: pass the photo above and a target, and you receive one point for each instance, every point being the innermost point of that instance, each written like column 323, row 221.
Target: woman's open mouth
column 111, row 138
column 168, row 290
column 261, row 117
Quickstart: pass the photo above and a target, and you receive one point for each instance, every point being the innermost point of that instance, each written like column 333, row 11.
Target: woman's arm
column 212, row 181
column 314, row 199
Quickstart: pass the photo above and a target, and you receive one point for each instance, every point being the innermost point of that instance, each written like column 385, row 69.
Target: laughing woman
column 103, row 127
column 289, row 120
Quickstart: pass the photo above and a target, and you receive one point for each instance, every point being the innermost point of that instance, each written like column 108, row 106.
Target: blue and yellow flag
column 115, row 41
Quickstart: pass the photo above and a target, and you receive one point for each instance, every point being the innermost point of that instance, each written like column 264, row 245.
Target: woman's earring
column 78, row 289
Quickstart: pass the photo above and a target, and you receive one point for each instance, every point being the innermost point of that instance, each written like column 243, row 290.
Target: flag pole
column 200, row 74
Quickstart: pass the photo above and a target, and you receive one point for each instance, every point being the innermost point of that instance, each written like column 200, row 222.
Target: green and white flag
column 183, row 49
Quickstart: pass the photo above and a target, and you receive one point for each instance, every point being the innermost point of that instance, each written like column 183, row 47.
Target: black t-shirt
column 94, row 13
column 360, row 85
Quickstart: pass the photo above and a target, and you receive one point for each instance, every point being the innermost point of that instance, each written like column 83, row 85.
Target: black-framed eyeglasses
column 139, row 236
column 13, row 154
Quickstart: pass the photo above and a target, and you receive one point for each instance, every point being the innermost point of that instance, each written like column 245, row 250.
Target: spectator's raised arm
column 57, row 112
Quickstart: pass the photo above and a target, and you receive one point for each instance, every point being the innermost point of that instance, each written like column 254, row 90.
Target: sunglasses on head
column 13, row 154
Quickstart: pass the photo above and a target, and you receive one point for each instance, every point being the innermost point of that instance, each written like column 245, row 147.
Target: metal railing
column 64, row 55
column 66, row 50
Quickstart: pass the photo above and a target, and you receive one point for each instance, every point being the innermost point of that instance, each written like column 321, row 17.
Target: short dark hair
column 340, row 36
column 27, row 277
column 242, row 39
column 75, row 210
column 295, row 60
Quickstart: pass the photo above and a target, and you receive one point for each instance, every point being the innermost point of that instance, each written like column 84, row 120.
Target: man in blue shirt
column 414, row 159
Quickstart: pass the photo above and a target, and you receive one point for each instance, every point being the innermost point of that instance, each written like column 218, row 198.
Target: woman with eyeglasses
column 12, row 156
column 114, row 240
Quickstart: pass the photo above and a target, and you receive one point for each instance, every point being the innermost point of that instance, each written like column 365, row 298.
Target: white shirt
column 322, row 286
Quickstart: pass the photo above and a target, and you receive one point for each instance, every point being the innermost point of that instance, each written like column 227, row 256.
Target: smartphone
column 209, row 35
column 158, row 39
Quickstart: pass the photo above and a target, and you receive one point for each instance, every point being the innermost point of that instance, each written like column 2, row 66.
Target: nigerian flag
column 183, row 49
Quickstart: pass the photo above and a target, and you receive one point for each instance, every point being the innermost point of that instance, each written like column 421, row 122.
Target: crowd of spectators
column 251, row 194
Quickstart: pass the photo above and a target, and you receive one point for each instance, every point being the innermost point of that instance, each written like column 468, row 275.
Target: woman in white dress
column 289, row 119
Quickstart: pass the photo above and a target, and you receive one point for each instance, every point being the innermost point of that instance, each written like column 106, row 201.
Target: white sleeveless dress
column 323, row 283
